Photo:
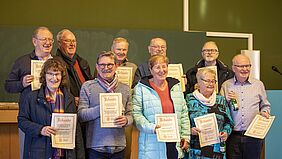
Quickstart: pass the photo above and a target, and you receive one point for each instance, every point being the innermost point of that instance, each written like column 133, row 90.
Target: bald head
column 210, row 53
column 157, row 46
column 241, row 65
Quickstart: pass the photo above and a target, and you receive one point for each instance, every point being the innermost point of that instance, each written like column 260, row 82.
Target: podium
column 9, row 139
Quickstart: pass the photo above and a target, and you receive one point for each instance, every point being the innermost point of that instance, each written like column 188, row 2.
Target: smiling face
column 120, row 49
column 159, row 71
column 210, row 52
column 106, row 67
column 53, row 79
column 206, row 81
column 157, row 47
column 43, row 43
column 242, row 67
column 67, row 43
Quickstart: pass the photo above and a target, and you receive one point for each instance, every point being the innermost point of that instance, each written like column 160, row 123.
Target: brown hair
column 157, row 58
column 54, row 64
column 109, row 54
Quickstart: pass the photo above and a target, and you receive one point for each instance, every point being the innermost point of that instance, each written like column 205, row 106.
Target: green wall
column 262, row 18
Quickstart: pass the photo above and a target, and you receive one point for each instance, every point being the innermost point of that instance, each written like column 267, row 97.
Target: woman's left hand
column 121, row 121
column 223, row 135
column 184, row 145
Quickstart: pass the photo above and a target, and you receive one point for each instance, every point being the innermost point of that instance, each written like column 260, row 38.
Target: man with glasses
column 210, row 54
column 104, row 142
column 157, row 46
column 252, row 100
column 20, row 78
column 78, row 68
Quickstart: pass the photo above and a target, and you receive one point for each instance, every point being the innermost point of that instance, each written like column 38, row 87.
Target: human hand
column 121, row 121
column 265, row 114
column 76, row 101
column 48, row 130
column 223, row 135
column 184, row 145
column 195, row 131
column 230, row 95
column 157, row 126
column 27, row 80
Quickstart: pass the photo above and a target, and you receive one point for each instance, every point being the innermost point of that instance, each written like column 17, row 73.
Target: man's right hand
column 230, row 95
column 27, row 80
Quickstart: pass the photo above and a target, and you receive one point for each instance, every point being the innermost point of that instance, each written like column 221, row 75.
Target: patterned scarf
column 109, row 87
column 57, row 104
column 206, row 101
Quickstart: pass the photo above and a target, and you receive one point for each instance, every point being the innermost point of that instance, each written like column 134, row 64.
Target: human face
column 206, row 84
column 120, row 49
column 157, row 46
column 53, row 79
column 68, row 44
column 159, row 71
column 242, row 67
column 43, row 43
column 106, row 68
column 210, row 52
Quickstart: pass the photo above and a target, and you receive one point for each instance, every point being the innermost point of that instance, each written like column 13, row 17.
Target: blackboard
column 183, row 47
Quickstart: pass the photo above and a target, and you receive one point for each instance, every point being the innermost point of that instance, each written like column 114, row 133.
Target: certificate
column 110, row 108
column 168, row 132
column 259, row 127
column 209, row 129
column 215, row 70
column 125, row 75
column 176, row 71
column 66, row 128
column 36, row 67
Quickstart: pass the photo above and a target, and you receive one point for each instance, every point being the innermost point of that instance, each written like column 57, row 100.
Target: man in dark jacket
column 20, row 78
column 210, row 54
column 78, row 68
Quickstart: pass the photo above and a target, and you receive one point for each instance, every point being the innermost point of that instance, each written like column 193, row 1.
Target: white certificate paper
column 209, row 129
column 176, row 71
column 215, row 70
column 66, row 127
column 168, row 132
column 259, row 127
column 36, row 67
column 110, row 108
column 125, row 75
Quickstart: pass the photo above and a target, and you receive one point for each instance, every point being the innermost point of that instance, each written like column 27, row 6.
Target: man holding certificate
column 210, row 118
column 105, row 106
column 252, row 100
column 20, row 77
column 35, row 115
column 160, row 112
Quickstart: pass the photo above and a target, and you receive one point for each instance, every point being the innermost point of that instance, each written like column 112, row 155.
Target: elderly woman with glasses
column 159, row 94
column 204, row 101
column 35, row 115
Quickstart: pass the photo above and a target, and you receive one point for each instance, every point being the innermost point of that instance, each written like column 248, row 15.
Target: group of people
column 68, row 87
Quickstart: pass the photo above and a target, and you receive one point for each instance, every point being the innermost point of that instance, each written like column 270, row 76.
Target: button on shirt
column 251, row 98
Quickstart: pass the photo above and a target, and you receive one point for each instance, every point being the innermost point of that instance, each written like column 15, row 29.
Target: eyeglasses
column 158, row 47
column 68, row 41
column 103, row 65
column 209, row 81
column 209, row 51
column 54, row 74
column 243, row 66
column 44, row 40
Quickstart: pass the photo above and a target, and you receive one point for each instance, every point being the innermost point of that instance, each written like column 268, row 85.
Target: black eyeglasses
column 103, row 65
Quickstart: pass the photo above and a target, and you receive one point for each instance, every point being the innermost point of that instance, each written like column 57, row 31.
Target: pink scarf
column 206, row 101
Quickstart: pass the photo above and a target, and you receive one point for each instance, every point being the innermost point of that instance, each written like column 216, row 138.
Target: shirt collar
column 248, row 81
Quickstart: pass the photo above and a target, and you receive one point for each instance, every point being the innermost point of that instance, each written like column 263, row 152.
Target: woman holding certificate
column 160, row 95
column 211, row 114
column 35, row 115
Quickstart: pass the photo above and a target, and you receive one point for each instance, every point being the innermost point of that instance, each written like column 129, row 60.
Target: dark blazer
column 223, row 74
column 36, row 113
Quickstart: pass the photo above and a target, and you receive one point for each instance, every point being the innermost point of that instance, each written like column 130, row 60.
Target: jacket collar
column 171, row 81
